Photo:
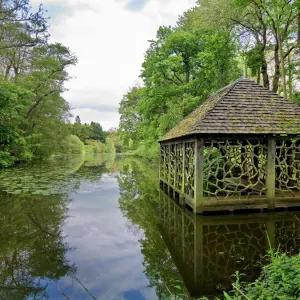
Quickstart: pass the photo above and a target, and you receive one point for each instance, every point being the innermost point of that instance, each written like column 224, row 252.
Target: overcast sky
column 109, row 38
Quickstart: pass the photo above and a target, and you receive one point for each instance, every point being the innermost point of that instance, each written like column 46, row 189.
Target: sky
column 109, row 37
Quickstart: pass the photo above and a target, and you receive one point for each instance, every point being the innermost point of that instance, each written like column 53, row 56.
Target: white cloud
column 110, row 42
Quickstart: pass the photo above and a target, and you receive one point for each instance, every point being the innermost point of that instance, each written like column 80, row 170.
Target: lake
column 98, row 227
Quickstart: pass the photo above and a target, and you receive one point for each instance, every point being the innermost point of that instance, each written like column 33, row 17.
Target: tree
column 97, row 132
column 264, row 26
column 129, row 117
column 33, row 72
column 77, row 120
column 182, row 66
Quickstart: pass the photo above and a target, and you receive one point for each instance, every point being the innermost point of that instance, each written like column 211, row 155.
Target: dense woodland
column 212, row 44
column 34, row 116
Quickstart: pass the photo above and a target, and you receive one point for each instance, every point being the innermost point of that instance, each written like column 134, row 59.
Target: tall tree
column 77, row 120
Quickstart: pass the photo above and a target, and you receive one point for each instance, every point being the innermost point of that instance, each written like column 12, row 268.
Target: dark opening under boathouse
column 240, row 149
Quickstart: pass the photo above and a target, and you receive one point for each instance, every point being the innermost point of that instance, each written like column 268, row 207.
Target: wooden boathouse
column 240, row 149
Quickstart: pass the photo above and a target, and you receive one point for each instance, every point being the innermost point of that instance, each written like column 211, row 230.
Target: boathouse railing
column 232, row 171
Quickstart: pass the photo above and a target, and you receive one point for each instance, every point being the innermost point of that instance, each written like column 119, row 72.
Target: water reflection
column 139, row 202
column 101, row 214
column 208, row 250
column 32, row 247
column 35, row 202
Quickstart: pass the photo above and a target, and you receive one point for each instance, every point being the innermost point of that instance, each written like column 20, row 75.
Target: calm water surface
column 100, row 228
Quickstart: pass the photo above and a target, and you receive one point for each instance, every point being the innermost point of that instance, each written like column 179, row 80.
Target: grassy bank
column 279, row 279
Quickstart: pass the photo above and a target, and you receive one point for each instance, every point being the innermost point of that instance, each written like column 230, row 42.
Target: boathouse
column 240, row 149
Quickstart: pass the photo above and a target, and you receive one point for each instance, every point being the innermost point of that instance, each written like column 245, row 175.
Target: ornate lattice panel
column 167, row 162
column 172, row 163
column 235, row 169
column 288, row 168
column 179, row 166
column 163, row 162
column 189, row 169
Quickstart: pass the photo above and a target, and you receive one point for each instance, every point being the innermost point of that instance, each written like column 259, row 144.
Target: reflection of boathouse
column 240, row 149
column 207, row 250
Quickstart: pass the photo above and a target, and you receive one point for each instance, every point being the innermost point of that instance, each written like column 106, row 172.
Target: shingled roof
column 243, row 107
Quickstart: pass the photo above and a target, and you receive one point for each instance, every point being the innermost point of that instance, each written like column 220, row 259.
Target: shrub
column 6, row 160
column 93, row 146
column 279, row 280
column 148, row 150
column 73, row 145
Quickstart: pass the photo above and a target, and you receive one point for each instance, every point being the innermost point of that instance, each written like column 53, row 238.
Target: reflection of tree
column 139, row 202
column 32, row 246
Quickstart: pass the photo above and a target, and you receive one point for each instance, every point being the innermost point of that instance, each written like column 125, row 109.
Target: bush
column 148, row 150
column 72, row 145
column 279, row 280
column 6, row 160
column 93, row 146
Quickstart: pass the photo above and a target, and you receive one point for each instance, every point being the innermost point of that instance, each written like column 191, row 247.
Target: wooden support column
column 198, row 179
column 169, row 169
column 175, row 170
column 183, row 172
column 271, row 178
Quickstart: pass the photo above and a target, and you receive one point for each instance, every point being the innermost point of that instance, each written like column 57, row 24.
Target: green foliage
column 139, row 203
column 129, row 118
column 36, row 250
column 150, row 151
column 6, row 160
column 72, row 145
column 86, row 132
column 280, row 279
column 97, row 132
column 254, row 60
column 33, row 115
column 182, row 66
column 93, row 146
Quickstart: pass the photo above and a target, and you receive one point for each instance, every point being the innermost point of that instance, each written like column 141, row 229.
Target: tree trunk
column 258, row 76
column 283, row 73
column 277, row 69
column 290, row 80
column 186, row 61
column 264, row 65
column 264, row 72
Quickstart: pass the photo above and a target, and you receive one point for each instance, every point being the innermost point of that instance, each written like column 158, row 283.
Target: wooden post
column 183, row 172
column 198, row 179
column 169, row 170
column 175, row 170
column 271, row 178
